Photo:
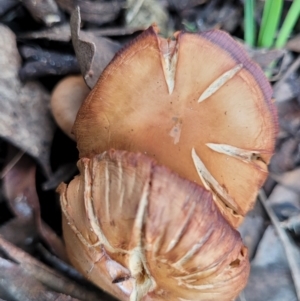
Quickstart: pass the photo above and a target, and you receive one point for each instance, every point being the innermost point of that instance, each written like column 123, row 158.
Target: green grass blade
column 288, row 24
column 249, row 19
column 266, row 12
column 270, row 21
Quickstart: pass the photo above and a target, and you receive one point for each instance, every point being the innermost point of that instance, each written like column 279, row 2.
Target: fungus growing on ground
column 196, row 104
column 66, row 99
column 140, row 232
column 193, row 127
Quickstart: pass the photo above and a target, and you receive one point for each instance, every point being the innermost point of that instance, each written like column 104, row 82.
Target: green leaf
column 288, row 24
column 249, row 24
column 270, row 21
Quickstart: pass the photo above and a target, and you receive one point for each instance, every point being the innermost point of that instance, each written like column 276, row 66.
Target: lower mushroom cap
column 141, row 232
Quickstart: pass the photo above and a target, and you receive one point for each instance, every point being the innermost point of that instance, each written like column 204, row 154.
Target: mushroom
column 67, row 97
column 196, row 104
column 193, row 127
column 141, row 232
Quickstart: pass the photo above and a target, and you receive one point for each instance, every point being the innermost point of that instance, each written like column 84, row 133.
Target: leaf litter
column 23, row 106
column 27, row 125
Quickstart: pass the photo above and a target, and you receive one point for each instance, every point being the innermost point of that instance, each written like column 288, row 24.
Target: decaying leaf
column 38, row 278
column 264, row 57
column 62, row 174
column 93, row 53
column 289, row 179
column 287, row 87
column 116, row 31
column 25, row 120
column 18, row 285
column 6, row 5
column 45, row 10
column 270, row 278
column 144, row 13
column 20, row 232
column 180, row 5
column 289, row 117
column 215, row 15
column 60, row 33
column 60, row 265
column 41, row 62
column 285, row 200
column 98, row 12
column 20, row 190
column 286, row 156
column 292, row 254
column 294, row 44
column 292, row 223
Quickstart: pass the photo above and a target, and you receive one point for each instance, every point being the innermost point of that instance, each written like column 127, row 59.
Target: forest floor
column 36, row 53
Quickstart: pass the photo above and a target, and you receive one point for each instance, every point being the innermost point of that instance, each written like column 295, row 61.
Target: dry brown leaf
column 180, row 5
column 22, row 233
column 62, row 174
column 93, row 53
column 19, row 187
column 144, row 13
column 287, row 87
column 44, row 10
column 98, row 12
column 294, row 44
column 6, row 5
column 286, row 156
column 283, row 196
column 291, row 250
column 215, row 15
column 285, row 200
column 47, row 276
column 270, row 278
column 289, row 113
column 60, row 265
column 264, row 57
column 289, row 179
column 116, row 31
column 41, row 62
column 60, row 33
column 16, row 284
column 25, row 119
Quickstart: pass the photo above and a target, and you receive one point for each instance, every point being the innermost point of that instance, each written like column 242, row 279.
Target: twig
column 48, row 276
column 12, row 163
column 290, row 70
column 292, row 253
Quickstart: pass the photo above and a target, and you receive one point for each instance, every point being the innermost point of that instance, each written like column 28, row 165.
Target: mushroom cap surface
column 196, row 104
column 141, row 232
column 67, row 97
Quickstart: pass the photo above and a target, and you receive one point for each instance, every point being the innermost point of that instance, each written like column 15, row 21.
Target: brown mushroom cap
column 141, row 232
column 198, row 105
column 67, row 97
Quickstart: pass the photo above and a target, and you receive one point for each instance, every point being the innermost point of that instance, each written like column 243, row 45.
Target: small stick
column 295, row 65
column 11, row 164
